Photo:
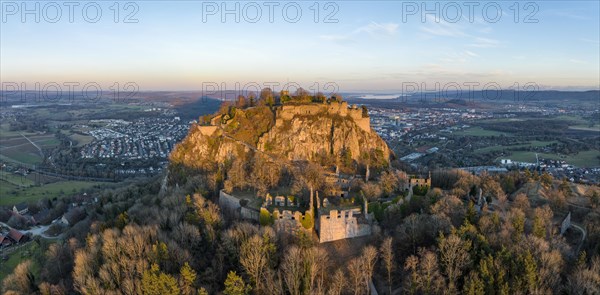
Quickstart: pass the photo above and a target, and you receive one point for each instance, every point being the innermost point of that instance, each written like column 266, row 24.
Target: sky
column 370, row 46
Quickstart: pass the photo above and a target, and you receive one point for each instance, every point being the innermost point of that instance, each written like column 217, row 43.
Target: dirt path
column 35, row 145
column 583, row 235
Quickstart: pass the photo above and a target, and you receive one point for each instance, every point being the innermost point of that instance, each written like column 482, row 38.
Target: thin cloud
column 377, row 29
column 485, row 43
column 470, row 53
column 577, row 61
column 373, row 29
column 439, row 27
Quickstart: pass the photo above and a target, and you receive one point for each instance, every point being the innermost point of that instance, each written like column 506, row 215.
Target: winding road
column 583, row 234
column 36, row 230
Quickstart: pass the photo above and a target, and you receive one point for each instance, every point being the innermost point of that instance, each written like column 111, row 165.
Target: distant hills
column 482, row 96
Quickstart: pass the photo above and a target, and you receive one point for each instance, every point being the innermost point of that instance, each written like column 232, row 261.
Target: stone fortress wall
column 287, row 112
column 287, row 221
column 342, row 224
column 229, row 204
column 331, row 225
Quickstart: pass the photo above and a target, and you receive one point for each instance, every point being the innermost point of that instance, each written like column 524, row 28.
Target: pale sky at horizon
column 370, row 48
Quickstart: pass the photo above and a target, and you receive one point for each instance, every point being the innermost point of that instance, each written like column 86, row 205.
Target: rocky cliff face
column 330, row 134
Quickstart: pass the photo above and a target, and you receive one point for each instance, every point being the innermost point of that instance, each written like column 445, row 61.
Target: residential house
column 16, row 236
column 41, row 217
column 73, row 216
column 21, row 208
column 5, row 241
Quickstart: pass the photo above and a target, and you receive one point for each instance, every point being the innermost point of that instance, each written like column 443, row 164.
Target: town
column 437, row 136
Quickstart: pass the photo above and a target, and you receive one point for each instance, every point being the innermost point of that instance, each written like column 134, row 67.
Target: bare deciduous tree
column 292, row 269
column 585, row 279
column 424, row 274
column 338, row 282
column 454, row 257
column 387, row 258
column 21, row 281
column 316, row 262
column 522, row 202
column 254, row 259
column 369, row 257
column 355, row 269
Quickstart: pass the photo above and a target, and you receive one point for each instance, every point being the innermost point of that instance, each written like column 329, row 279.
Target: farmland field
column 22, row 150
column 478, row 131
column 534, row 143
column 57, row 189
column 17, row 180
column 582, row 159
column 6, row 132
column 27, row 154
column 81, row 139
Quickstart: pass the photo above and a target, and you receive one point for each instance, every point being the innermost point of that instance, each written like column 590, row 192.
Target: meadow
column 17, row 256
column 533, row 143
column 479, row 131
column 11, row 194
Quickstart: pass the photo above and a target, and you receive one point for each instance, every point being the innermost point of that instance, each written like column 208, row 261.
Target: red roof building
column 16, row 235
column 4, row 241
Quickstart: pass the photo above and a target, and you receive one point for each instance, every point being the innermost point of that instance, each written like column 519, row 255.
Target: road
column 36, row 230
column 583, row 235
column 35, row 145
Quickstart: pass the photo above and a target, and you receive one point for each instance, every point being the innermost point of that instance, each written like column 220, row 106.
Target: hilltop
column 328, row 133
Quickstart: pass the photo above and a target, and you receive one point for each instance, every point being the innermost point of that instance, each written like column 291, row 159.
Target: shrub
column 54, row 230
column 420, row 190
column 265, row 217
column 307, row 221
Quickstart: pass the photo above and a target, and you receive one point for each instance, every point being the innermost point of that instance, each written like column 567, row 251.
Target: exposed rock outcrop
column 333, row 131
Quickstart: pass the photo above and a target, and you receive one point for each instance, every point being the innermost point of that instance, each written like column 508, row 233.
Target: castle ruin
column 330, row 224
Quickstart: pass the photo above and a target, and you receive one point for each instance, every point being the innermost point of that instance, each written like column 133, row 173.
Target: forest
column 141, row 240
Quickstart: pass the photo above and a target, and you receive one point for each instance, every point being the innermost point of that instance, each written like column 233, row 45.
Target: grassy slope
column 14, row 258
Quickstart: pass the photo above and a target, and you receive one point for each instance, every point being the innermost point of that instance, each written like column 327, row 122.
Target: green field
column 573, row 118
column 28, row 155
column 575, row 122
column 582, row 159
column 20, row 149
column 14, row 195
column 534, row 143
column 478, row 131
column 47, row 143
column 17, row 180
column 6, row 188
column 504, row 120
column 5, row 131
column 81, row 139
column 578, row 123
column 595, row 127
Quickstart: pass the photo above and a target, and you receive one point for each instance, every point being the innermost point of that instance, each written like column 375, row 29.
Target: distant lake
column 381, row 96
